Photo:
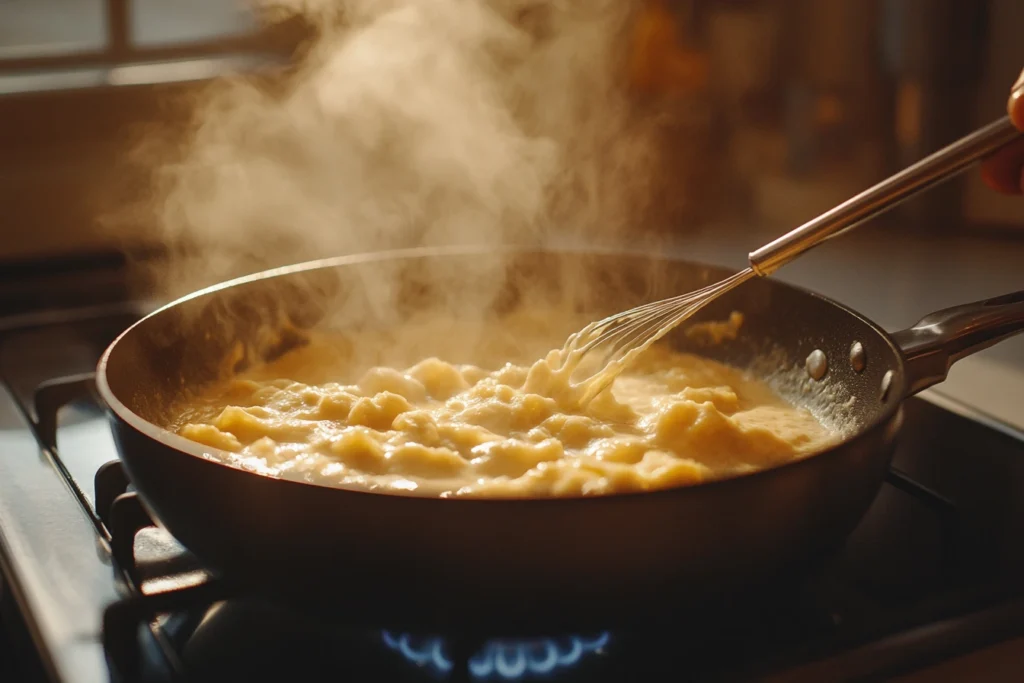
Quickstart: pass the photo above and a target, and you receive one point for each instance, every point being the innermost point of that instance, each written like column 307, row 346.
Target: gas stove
column 93, row 591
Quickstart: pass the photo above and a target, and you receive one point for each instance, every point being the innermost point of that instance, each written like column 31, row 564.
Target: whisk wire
column 622, row 336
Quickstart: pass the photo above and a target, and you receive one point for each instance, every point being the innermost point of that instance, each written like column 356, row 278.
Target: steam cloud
column 415, row 122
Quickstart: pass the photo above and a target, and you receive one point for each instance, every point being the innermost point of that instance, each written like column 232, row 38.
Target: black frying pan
column 405, row 559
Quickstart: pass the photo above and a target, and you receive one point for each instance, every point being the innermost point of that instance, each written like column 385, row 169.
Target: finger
column 1002, row 171
column 1015, row 105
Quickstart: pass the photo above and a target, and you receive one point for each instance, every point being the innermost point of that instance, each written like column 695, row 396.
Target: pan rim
column 187, row 447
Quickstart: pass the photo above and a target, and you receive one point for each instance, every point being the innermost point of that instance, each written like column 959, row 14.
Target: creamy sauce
column 444, row 429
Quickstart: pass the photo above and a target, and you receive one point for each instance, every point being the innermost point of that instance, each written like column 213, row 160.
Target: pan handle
column 942, row 338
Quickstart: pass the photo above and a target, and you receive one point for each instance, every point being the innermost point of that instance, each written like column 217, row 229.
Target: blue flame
column 508, row 660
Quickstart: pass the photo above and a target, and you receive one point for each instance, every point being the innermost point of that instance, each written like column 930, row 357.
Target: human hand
column 1004, row 170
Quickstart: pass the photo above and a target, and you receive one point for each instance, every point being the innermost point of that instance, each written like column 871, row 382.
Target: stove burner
column 506, row 660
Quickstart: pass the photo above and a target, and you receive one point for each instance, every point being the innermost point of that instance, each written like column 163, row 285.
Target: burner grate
column 110, row 482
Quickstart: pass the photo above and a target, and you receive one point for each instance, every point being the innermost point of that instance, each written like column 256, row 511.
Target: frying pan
column 417, row 560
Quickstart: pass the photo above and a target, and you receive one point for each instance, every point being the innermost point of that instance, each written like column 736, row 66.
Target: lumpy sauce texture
column 446, row 429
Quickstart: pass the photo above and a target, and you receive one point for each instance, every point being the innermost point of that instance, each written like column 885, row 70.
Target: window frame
column 120, row 48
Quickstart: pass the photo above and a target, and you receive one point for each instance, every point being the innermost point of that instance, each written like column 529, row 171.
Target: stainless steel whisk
column 620, row 338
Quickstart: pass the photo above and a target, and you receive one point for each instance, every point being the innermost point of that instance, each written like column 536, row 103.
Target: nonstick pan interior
column 215, row 333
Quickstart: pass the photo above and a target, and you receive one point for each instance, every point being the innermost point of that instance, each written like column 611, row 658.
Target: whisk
column 617, row 340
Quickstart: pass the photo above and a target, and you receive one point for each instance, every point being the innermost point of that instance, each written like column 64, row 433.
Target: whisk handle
column 878, row 199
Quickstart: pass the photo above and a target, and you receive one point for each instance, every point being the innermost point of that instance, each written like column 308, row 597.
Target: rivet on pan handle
column 934, row 343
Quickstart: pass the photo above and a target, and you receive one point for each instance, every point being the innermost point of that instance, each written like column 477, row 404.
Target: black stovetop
column 933, row 570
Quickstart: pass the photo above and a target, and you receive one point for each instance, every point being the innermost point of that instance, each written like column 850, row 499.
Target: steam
column 413, row 122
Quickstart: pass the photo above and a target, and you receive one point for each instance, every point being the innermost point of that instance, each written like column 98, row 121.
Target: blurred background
column 813, row 101
column 780, row 109
column 784, row 107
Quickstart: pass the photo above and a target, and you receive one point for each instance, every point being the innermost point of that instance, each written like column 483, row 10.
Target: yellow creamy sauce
column 444, row 429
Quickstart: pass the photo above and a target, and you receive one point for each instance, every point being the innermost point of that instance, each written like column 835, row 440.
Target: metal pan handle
column 942, row 338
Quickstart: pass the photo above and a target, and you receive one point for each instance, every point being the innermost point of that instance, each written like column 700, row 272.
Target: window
column 39, row 33
column 167, row 22
column 30, row 28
